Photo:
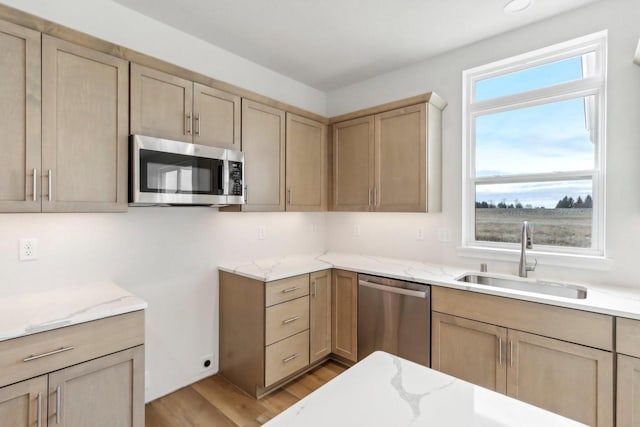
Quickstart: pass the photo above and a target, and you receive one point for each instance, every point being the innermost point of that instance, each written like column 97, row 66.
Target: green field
column 557, row 227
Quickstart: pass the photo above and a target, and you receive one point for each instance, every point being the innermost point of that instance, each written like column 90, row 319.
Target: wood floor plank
column 237, row 406
column 187, row 408
column 215, row 402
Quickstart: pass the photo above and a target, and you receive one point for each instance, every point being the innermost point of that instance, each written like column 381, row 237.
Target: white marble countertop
column 624, row 303
column 385, row 390
column 31, row 312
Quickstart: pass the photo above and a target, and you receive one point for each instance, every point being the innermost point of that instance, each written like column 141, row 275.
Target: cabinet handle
column 289, row 195
column 58, row 399
column 511, row 353
column 39, row 412
column 198, row 124
column 246, row 192
column 315, row 288
column 369, row 195
column 500, row 351
column 50, row 184
column 35, row 178
column 289, row 320
column 286, row 291
column 290, row 358
column 189, row 123
column 375, row 196
column 51, row 353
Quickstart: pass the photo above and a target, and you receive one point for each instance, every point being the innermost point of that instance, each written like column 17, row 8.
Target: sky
column 544, row 138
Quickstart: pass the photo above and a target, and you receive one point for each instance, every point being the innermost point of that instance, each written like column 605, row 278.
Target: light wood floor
column 214, row 402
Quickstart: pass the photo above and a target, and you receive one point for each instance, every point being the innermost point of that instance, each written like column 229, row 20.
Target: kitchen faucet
column 525, row 243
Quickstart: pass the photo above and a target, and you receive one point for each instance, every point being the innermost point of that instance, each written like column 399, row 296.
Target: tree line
column 565, row 203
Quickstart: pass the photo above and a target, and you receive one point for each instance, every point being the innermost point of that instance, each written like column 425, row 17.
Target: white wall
column 115, row 23
column 167, row 256
column 394, row 235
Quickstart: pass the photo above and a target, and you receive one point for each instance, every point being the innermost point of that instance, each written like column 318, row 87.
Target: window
column 534, row 130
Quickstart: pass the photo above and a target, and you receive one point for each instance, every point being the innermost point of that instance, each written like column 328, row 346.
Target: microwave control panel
column 235, row 178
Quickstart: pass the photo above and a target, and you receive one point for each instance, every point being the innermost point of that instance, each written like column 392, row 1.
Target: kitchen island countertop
column 384, row 390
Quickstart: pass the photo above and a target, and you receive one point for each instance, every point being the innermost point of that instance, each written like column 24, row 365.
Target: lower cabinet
column 556, row 358
column 344, row 314
column 93, row 377
column 569, row 379
column 272, row 331
column 320, row 315
column 24, row 404
column 104, row 392
column 469, row 350
column 628, row 411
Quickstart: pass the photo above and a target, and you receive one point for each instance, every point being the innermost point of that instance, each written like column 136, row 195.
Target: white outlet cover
column 420, row 233
column 262, row 233
column 356, row 229
column 28, row 249
column 209, row 357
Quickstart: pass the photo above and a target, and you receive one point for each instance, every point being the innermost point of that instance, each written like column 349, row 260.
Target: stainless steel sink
column 536, row 287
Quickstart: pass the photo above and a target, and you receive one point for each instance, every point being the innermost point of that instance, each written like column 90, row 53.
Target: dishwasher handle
column 394, row 290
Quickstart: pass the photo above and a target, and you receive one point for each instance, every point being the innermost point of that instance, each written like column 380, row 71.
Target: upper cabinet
column 353, row 166
column 64, row 116
column 85, row 120
column 306, row 164
column 170, row 107
column 263, row 143
column 20, row 112
column 390, row 161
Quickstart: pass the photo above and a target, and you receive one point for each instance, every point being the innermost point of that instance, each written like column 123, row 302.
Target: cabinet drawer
column 286, row 357
column 286, row 319
column 628, row 336
column 78, row 343
column 286, row 289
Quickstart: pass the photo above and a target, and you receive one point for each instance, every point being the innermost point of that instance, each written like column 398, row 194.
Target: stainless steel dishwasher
column 394, row 316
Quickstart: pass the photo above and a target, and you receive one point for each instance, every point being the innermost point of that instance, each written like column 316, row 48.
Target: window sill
column 587, row 262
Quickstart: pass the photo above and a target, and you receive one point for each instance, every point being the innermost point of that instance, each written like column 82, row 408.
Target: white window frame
column 595, row 85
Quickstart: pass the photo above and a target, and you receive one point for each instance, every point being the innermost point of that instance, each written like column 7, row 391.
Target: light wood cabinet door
column 569, row 379
column 470, row 350
column 20, row 111
column 628, row 395
column 24, row 404
column 320, row 315
column 353, row 165
column 263, row 144
column 85, row 115
column 344, row 314
column 104, row 392
column 161, row 104
column 306, row 164
column 216, row 116
column 401, row 160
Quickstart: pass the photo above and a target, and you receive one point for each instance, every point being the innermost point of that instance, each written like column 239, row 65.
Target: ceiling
column 328, row 44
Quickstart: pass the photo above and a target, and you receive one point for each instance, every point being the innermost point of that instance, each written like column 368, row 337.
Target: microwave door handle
column 225, row 177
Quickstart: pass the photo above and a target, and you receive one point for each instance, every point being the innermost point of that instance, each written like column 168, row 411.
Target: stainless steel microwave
column 165, row 172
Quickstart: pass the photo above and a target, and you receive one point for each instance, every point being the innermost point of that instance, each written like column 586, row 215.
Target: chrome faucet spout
column 525, row 243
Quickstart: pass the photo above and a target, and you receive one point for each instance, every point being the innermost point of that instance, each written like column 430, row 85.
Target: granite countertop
column 385, row 390
column 624, row 303
column 32, row 312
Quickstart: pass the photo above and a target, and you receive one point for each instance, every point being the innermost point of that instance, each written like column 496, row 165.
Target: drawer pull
column 289, row 320
column 290, row 358
column 51, row 353
column 286, row 291
column 58, row 399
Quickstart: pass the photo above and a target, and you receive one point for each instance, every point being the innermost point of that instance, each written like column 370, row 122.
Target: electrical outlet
column 28, row 249
column 420, row 233
column 356, row 230
column 206, row 363
column 444, row 235
column 262, row 233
